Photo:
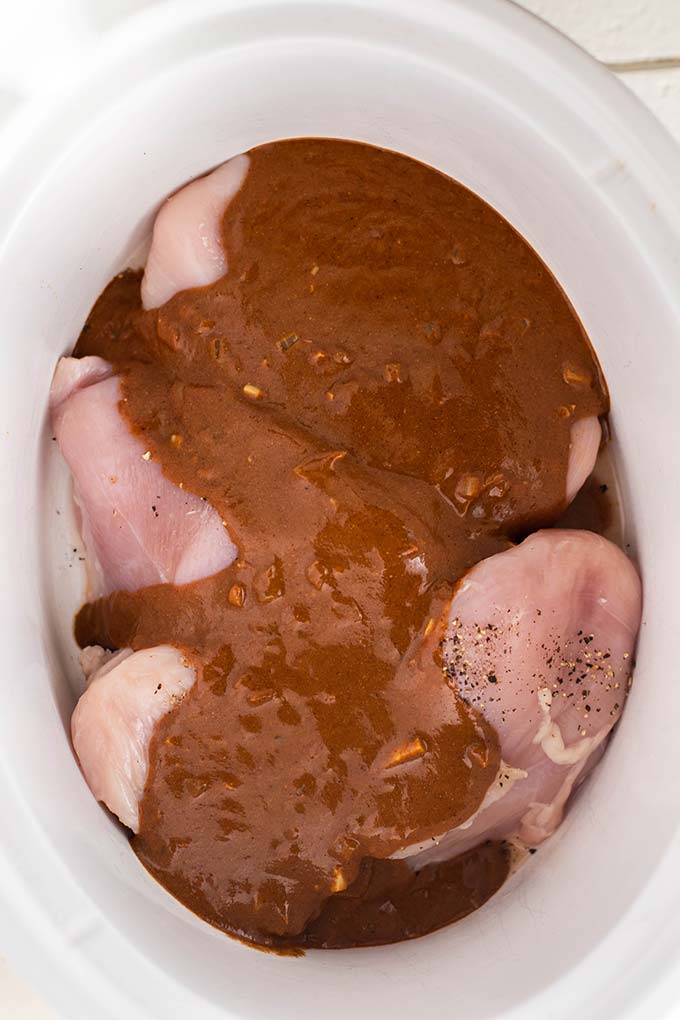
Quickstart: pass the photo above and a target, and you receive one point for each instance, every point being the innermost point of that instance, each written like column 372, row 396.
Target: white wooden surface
column 640, row 39
column 616, row 30
column 639, row 34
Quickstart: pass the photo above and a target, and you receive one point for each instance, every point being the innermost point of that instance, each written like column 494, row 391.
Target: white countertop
column 638, row 39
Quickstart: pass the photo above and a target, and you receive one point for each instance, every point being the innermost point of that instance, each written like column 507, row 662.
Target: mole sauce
column 377, row 395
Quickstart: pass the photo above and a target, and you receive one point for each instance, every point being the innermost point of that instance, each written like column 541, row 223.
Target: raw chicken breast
column 115, row 718
column 186, row 250
column 577, row 581
column 585, row 439
column 138, row 527
column 541, row 640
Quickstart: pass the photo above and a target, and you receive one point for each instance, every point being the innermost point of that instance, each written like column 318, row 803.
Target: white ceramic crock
column 590, row 928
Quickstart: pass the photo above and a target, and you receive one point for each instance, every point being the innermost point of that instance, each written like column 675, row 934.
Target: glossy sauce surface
column 376, row 396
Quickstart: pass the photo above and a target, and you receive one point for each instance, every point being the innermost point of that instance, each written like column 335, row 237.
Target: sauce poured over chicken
column 378, row 386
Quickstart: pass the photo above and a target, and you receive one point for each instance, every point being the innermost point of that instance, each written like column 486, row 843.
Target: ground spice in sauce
column 376, row 396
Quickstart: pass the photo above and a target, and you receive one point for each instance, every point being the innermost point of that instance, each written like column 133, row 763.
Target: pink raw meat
column 186, row 250
column 114, row 720
column 541, row 641
column 139, row 528
column 586, row 436
column 578, row 581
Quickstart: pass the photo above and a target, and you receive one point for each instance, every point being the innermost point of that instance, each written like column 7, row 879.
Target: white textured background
column 638, row 39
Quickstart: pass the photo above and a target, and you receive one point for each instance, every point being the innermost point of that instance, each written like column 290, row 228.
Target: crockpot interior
column 485, row 114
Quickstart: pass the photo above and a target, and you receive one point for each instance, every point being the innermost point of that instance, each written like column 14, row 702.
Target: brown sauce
column 593, row 509
column 376, row 396
column 391, row 900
